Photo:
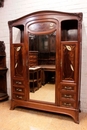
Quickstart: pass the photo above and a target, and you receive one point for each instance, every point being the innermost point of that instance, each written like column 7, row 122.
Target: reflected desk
column 48, row 73
column 40, row 75
column 35, row 78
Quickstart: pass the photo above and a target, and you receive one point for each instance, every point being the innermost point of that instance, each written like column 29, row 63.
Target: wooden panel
column 33, row 58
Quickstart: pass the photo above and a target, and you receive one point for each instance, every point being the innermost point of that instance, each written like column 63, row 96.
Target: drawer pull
column 18, row 82
column 20, row 97
column 67, row 104
column 67, row 88
column 67, row 96
column 18, row 89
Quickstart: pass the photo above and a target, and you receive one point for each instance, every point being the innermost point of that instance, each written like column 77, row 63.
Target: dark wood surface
column 3, row 71
column 35, row 78
column 63, row 51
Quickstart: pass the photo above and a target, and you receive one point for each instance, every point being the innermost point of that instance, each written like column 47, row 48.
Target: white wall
column 16, row 8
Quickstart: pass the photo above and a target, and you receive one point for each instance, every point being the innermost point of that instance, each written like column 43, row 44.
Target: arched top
column 44, row 14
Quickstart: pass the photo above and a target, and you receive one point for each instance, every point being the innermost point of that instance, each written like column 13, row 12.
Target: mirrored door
column 42, row 57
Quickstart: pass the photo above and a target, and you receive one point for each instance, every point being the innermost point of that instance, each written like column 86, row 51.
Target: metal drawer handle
column 18, row 82
column 18, row 89
column 20, row 97
column 67, row 88
column 67, row 104
column 67, row 96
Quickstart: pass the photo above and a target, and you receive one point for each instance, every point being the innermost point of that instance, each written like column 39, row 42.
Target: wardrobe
column 45, row 62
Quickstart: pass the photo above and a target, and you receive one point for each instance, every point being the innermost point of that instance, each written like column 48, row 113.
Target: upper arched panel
column 44, row 14
column 43, row 26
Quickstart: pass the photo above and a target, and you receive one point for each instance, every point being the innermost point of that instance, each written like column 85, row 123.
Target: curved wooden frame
column 22, row 99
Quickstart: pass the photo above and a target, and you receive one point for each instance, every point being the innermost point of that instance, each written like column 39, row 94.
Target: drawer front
column 68, row 88
column 32, row 64
column 32, row 61
column 69, row 96
column 33, row 56
column 68, row 104
column 18, row 89
column 18, row 82
column 18, row 96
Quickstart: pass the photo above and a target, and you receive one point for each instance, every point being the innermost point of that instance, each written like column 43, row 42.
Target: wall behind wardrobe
column 17, row 8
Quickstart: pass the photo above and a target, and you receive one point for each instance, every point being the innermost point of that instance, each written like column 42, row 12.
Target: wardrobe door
column 69, row 75
column 18, row 65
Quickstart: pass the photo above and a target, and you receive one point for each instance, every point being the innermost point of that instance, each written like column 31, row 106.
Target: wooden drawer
column 67, row 95
column 17, row 82
column 69, row 104
column 67, row 87
column 32, row 64
column 18, row 89
column 33, row 58
column 18, row 96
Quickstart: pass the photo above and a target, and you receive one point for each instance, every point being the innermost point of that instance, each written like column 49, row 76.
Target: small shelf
column 3, row 96
column 3, row 71
column 69, row 30
column 2, row 55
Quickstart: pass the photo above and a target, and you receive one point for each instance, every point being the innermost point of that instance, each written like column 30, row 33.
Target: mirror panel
column 42, row 57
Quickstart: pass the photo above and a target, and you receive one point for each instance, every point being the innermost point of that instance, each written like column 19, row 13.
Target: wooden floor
column 26, row 119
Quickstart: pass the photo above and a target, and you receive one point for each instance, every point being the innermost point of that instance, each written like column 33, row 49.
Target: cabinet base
column 74, row 113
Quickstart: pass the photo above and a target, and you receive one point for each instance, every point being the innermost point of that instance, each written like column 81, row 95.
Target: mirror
column 42, row 57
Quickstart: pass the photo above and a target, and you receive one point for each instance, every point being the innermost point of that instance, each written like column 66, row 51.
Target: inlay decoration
column 18, row 61
column 68, row 62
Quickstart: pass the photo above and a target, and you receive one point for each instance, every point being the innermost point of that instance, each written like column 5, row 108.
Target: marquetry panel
column 18, row 61
column 69, row 60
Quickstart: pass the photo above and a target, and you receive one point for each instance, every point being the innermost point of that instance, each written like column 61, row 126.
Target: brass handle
column 18, row 82
column 19, row 90
column 20, row 97
column 67, row 96
column 67, row 88
column 67, row 104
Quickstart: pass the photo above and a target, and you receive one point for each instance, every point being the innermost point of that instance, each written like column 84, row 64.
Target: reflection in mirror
column 42, row 67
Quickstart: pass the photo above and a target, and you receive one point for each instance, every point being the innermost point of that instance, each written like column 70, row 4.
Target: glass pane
column 69, row 30
column 17, row 34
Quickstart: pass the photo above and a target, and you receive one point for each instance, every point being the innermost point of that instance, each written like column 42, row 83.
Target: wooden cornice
column 1, row 3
